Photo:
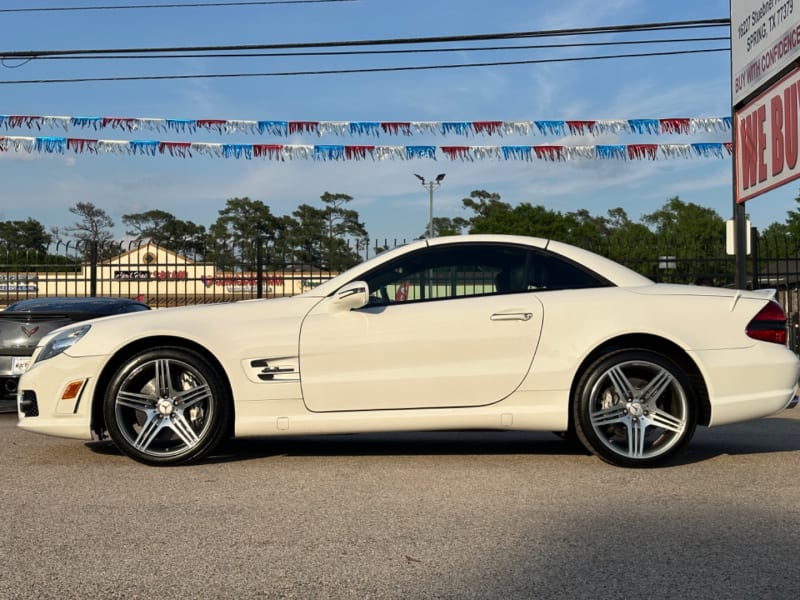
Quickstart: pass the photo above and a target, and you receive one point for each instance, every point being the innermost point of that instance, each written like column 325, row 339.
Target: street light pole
column 429, row 185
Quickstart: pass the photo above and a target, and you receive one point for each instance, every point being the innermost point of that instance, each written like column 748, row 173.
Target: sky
column 389, row 199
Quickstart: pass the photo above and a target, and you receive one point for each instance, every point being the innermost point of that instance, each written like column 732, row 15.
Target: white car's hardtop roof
column 614, row 272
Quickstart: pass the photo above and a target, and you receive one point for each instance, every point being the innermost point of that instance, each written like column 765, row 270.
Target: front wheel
column 634, row 408
column 166, row 407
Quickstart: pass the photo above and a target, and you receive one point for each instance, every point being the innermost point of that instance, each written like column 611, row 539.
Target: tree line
column 330, row 234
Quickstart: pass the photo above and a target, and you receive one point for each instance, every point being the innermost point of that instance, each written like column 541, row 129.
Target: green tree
column 782, row 240
column 327, row 237
column 681, row 220
column 629, row 243
column 492, row 215
column 792, row 223
column 447, row 226
column 344, row 232
column 488, row 211
column 24, row 235
column 694, row 235
column 164, row 229
column 241, row 226
column 585, row 230
column 778, row 240
column 93, row 230
column 306, row 236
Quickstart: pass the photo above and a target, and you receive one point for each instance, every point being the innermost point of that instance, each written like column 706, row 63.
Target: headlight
column 62, row 341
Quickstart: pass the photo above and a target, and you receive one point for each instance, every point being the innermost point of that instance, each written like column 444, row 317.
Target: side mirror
column 354, row 295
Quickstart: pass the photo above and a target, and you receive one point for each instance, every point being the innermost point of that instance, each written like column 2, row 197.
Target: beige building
column 160, row 278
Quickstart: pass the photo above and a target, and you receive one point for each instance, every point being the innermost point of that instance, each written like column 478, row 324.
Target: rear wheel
column 634, row 408
column 167, row 407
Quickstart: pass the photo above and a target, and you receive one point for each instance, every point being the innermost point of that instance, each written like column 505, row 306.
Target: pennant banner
column 281, row 152
column 682, row 126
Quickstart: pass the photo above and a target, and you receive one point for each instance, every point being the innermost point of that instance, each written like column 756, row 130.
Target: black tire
column 167, row 407
column 634, row 408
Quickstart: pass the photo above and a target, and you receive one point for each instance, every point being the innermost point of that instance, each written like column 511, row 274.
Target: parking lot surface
column 429, row 515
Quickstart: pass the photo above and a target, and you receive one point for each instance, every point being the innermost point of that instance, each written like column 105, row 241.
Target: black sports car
column 24, row 323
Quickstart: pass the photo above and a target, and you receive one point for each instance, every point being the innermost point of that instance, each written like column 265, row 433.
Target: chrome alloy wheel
column 638, row 409
column 163, row 408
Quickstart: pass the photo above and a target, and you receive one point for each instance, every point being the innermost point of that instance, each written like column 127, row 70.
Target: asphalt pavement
column 475, row 515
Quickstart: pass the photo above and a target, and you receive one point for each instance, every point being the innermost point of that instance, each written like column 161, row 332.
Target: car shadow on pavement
column 773, row 435
column 384, row 444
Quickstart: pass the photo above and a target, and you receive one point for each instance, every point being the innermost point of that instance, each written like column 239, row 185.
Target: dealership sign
column 767, row 139
column 765, row 38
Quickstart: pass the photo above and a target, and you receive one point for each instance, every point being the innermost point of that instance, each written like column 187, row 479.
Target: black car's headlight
column 62, row 341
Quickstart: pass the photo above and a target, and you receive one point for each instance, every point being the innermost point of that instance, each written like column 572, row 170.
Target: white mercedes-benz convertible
column 468, row 332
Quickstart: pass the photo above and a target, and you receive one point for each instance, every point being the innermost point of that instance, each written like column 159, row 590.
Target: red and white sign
column 767, row 139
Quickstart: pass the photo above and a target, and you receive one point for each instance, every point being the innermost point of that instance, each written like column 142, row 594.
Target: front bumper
column 44, row 404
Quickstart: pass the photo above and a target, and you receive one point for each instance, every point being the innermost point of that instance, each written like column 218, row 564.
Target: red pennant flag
column 358, row 152
column 396, row 128
column 581, row 127
column 674, row 125
column 549, row 152
column 639, row 151
column 487, row 127
column 268, row 150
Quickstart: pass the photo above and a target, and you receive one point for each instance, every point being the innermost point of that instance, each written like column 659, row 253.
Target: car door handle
column 512, row 316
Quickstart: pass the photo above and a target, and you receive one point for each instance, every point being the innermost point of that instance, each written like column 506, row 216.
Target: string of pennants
column 683, row 126
column 282, row 152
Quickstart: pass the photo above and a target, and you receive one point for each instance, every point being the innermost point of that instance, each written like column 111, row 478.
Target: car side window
column 440, row 273
column 548, row 271
column 479, row 269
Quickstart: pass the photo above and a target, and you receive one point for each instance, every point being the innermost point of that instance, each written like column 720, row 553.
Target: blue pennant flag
column 365, row 128
column 551, row 127
column 87, row 122
column 328, row 152
column 615, row 151
column 280, row 128
column 644, row 125
column 189, row 125
column 708, row 149
column 517, row 153
column 148, row 147
column 53, row 145
column 456, row 127
column 421, row 152
column 237, row 151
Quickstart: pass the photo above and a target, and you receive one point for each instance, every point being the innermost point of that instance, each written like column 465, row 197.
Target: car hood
column 236, row 324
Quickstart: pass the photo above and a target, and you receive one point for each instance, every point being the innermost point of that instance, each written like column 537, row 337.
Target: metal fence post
column 93, row 268
column 754, row 255
column 259, row 267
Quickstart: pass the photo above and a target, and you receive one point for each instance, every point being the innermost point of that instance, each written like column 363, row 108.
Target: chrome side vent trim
column 284, row 368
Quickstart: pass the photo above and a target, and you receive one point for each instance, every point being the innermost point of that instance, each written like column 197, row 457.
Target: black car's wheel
column 634, row 408
column 166, row 407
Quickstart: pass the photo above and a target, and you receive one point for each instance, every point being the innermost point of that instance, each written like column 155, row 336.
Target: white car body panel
column 501, row 361
column 418, row 355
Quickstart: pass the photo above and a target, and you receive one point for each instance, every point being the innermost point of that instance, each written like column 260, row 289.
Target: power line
column 362, row 70
column 23, row 54
column 400, row 51
column 155, row 6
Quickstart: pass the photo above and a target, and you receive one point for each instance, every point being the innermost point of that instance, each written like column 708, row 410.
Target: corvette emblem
column 31, row 331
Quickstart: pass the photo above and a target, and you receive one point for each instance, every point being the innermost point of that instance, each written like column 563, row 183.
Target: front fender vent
column 283, row 368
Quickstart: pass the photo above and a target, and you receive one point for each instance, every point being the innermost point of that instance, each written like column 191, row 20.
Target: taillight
column 769, row 325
